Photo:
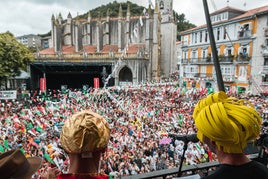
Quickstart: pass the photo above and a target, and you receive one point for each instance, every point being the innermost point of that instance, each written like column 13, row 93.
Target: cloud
column 22, row 17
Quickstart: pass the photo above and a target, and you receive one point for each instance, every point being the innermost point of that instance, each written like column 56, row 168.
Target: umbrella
column 165, row 140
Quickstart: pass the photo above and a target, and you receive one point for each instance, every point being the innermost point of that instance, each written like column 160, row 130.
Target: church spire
column 120, row 14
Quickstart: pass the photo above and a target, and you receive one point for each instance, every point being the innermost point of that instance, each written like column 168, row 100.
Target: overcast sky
column 22, row 17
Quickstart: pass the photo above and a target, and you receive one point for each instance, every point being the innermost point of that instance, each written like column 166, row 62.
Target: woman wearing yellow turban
column 226, row 125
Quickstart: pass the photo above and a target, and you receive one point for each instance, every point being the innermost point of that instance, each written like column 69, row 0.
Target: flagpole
column 213, row 48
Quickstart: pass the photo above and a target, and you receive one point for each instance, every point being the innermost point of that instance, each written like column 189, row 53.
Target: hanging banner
column 11, row 94
column 96, row 82
column 43, row 84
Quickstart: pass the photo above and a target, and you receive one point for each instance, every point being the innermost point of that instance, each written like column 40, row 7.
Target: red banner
column 96, row 82
column 43, row 84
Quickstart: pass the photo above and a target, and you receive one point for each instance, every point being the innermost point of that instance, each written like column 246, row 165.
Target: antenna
column 245, row 4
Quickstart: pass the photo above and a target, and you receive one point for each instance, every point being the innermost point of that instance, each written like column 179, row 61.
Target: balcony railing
column 228, row 78
column 265, row 51
column 265, row 68
column 243, row 58
column 205, row 75
column 226, row 59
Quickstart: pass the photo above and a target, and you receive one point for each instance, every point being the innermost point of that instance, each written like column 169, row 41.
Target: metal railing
column 200, row 168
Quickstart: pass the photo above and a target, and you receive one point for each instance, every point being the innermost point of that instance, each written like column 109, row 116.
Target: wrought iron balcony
column 243, row 58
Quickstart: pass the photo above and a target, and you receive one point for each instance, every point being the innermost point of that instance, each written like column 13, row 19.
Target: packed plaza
column 141, row 119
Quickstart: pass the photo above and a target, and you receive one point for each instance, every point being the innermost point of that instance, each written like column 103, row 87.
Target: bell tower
column 166, row 10
column 168, row 37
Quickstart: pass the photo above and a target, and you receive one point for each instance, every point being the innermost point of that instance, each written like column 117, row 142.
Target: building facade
column 238, row 35
column 30, row 40
column 133, row 49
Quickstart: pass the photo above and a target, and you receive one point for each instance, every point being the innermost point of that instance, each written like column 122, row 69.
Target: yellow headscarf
column 227, row 121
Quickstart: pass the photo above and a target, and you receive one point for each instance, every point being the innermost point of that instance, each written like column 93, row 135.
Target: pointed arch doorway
column 125, row 76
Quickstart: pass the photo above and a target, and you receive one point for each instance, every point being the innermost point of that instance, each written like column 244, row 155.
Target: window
column 218, row 33
column 244, row 30
column 224, row 33
column 204, row 54
column 161, row 5
column 192, row 38
column 218, row 17
column 242, row 75
column 203, row 69
column 200, row 36
column 194, row 56
column 195, row 38
column 185, row 56
column 191, row 69
column 206, row 36
column 265, row 62
column 185, row 40
column 227, row 70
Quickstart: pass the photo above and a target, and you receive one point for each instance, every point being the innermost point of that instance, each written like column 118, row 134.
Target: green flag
column 2, row 150
column 6, row 144
column 22, row 150
column 47, row 157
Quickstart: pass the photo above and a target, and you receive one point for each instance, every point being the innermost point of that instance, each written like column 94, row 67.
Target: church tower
column 168, row 37
column 166, row 10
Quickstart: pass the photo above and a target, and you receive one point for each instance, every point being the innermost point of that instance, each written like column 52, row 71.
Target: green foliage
column 14, row 56
column 135, row 10
column 182, row 24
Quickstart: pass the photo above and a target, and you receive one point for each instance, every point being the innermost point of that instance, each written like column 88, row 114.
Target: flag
column 22, row 150
column 2, row 150
column 47, row 157
column 141, row 22
column 144, row 12
column 6, row 144
column 151, row 4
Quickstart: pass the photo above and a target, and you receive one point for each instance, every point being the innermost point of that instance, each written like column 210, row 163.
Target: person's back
column 249, row 170
column 226, row 125
column 84, row 138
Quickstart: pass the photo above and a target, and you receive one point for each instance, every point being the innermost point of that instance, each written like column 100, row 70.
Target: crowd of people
column 138, row 143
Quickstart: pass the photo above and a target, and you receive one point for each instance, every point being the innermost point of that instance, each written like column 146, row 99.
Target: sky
column 22, row 17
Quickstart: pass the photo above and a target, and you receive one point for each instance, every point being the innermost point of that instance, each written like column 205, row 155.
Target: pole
column 213, row 48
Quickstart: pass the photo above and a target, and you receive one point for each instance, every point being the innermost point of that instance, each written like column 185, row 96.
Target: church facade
column 122, row 50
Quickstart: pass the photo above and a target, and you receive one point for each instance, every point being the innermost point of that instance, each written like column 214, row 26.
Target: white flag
column 141, row 22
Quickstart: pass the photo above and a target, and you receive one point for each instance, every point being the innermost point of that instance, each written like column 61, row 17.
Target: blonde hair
column 227, row 121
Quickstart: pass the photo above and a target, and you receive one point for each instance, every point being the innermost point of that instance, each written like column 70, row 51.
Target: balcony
column 243, row 58
column 184, row 43
column 184, row 61
column 205, row 75
column 190, row 74
column 228, row 78
column 243, row 34
column 226, row 59
column 265, row 69
column 265, row 50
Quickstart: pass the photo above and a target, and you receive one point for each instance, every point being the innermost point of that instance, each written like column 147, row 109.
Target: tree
column 182, row 24
column 14, row 56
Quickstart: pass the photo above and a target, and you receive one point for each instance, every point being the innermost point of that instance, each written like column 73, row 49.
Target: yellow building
column 236, row 35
